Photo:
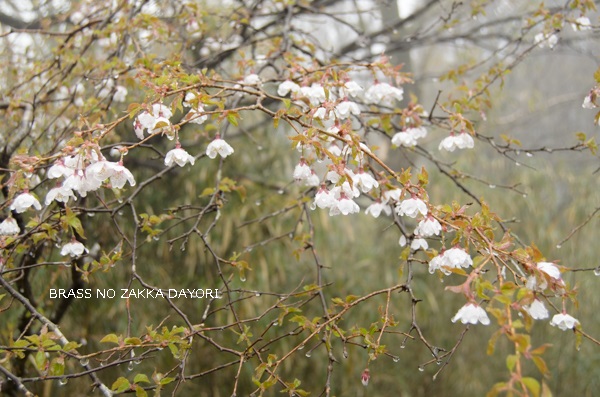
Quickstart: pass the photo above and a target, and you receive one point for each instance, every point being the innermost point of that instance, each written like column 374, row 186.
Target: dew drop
column 517, row 164
column 558, row 246
column 345, row 352
column 280, row 191
column 524, row 195
column 439, row 362
column 91, row 214
column 84, row 361
column 421, row 368
column 258, row 203
column 529, row 154
column 597, row 271
column 396, row 359
column 492, row 186
column 137, row 362
column 259, row 148
column 402, row 346
column 243, row 279
column 308, row 354
column 517, row 152
column 120, row 201
column 63, row 381
column 130, row 366
column 275, row 324
column 300, row 347
column 549, row 150
column 257, row 294
column 155, row 238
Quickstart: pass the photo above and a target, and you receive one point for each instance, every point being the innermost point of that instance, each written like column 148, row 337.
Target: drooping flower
column 218, row 146
column 393, row 195
column 412, row 207
column 302, row 171
column 103, row 170
column 419, row 243
column 287, row 86
column 365, row 377
column 312, row 180
column 120, row 94
column 428, row 227
column 364, row 181
column 458, row 257
column 73, row 248
column 564, row 321
column 377, row 207
column 383, row 92
column 471, row 314
column 152, row 121
column 545, row 40
column 60, row 194
column 409, row 137
column 315, row 94
column 537, row 310
column 322, row 114
column 252, row 79
column 23, row 201
column 581, row 23
column 323, row 199
column 460, row 141
column 195, row 116
column 179, row 156
column 345, row 108
column 351, row 88
column 9, row 227
column 344, row 206
column 550, row 269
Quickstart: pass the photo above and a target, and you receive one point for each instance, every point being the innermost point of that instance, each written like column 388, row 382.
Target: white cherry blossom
column 344, row 206
column 377, row 207
column 351, row 88
column 393, row 195
column 345, row 108
column 419, row 243
column 252, row 79
column 218, row 146
column 564, row 321
column 383, row 92
column 302, row 171
column 315, row 94
column 364, row 181
column 471, row 314
column 23, row 201
column 323, row 199
column 152, row 121
column 460, row 141
column 428, row 227
column 286, row 87
column 537, row 310
column 60, row 194
column 74, row 249
column 412, row 207
column 550, row 269
column 9, row 227
column 581, row 23
column 178, row 156
column 545, row 40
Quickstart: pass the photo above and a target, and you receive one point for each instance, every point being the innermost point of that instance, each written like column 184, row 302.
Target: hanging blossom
column 454, row 258
column 344, row 109
column 60, row 194
column 411, row 207
column 322, row 114
column 551, row 270
column 393, row 195
column 218, row 146
column 23, row 201
column 352, row 89
column 471, row 314
column 195, row 115
column 152, row 121
column 9, row 227
column 383, row 92
column 115, row 172
column 323, row 199
column 252, row 79
column 460, row 141
column 74, row 248
column 419, row 243
column 288, row 86
column 409, row 137
column 537, row 310
column 315, row 94
column 581, row 23
column 365, row 376
column 178, row 156
column 564, row 321
column 302, row 171
column 545, row 40
column 428, row 227
column 344, row 206
column 313, row 180
column 377, row 207
column 364, row 181
column 589, row 102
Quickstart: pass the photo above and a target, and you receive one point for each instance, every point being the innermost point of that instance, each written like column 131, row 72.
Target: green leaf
column 140, row 392
column 110, row 338
column 57, row 367
column 166, row 381
column 141, row 378
column 132, row 341
column 120, row 385
column 511, row 361
column 70, row 346
column 533, row 385
column 40, row 360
